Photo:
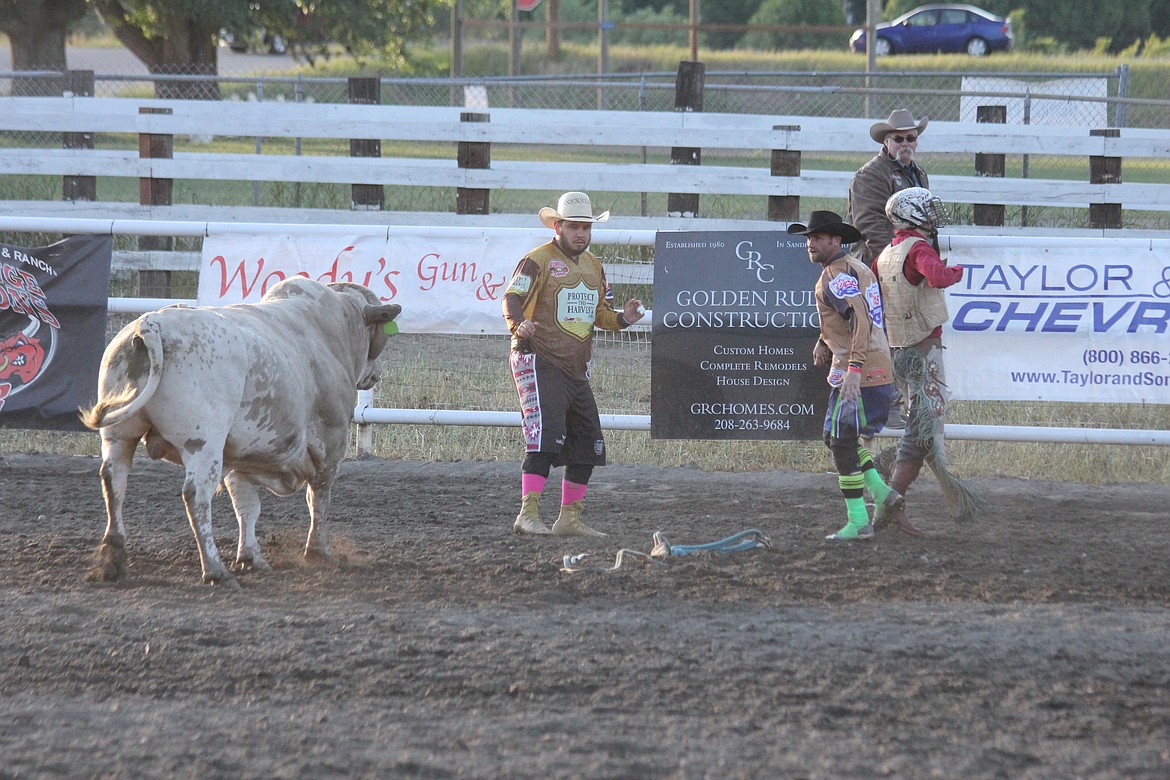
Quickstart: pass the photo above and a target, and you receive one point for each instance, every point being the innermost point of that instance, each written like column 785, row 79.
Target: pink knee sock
column 571, row 491
column 531, row 483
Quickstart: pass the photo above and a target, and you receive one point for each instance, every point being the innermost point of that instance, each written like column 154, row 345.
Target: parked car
column 252, row 43
column 940, row 28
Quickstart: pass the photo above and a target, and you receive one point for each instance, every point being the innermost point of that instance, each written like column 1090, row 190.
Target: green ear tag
column 390, row 328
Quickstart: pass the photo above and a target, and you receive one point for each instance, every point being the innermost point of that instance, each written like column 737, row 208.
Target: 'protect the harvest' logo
column 576, row 309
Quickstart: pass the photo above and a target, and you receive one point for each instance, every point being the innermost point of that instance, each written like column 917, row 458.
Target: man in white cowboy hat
column 557, row 296
column 893, row 169
column 853, row 342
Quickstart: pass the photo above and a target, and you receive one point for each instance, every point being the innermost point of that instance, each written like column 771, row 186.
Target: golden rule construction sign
column 52, row 330
column 735, row 322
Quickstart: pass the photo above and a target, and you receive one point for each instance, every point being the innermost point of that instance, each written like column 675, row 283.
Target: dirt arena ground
column 1031, row 644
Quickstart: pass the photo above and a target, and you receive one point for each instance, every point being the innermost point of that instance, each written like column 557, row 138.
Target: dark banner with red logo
column 52, row 330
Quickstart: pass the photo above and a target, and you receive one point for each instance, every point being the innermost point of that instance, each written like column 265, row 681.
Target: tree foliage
column 813, row 13
column 1160, row 17
column 182, row 36
column 365, row 29
column 740, row 12
column 855, row 11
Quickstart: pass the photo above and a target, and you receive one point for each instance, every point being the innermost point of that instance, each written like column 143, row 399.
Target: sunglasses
column 903, row 138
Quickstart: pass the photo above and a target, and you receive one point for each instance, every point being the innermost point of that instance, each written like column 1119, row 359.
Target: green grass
column 469, row 372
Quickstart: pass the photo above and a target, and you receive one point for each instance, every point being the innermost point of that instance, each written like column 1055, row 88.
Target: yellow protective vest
column 912, row 312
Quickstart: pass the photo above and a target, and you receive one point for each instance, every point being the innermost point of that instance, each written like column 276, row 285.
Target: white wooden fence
column 537, row 131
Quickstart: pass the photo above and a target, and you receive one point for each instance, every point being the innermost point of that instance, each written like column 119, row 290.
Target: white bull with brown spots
column 258, row 395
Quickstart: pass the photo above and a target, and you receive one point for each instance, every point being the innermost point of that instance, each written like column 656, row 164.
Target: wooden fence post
column 994, row 165
column 155, row 192
column 78, row 83
column 785, row 162
column 365, row 90
column 1105, row 170
column 688, row 96
column 473, row 154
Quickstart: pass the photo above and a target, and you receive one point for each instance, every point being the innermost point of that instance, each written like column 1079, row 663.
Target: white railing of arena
column 366, row 414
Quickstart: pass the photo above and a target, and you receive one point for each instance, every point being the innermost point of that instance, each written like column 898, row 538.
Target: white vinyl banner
column 445, row 284
column 1062, row 323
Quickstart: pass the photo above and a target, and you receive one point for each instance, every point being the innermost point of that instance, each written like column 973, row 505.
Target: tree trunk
column 553, row 32
column 186, row 46
column 37, row 30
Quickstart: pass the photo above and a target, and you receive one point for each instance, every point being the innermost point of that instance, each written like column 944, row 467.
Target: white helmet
column 916, row 207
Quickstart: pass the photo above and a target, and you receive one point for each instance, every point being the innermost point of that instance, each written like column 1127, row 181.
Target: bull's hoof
column 109, row 561
column 255, row 563
column 219, row 575
column 105, row 571
column 318, row 555
column 225, row 579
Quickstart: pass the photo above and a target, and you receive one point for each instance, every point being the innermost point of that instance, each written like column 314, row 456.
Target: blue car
column 940, row 28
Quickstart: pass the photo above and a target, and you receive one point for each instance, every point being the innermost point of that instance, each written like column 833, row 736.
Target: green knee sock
column 877, row 486
column 857, row 513
column 873, row 480
column 851, row 489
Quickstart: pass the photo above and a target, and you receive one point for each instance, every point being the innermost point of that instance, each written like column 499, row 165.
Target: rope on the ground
column 573, row 563
column 744, row 540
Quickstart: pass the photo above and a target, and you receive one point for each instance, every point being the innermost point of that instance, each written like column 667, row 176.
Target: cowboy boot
column 569, row 522
column 889, row 509
column 903, row 476
column 528, row 521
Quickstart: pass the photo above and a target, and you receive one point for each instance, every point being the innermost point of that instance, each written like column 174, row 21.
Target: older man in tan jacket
column 892, row 170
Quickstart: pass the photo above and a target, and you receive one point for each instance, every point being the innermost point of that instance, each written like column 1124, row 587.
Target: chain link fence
column 844, row 94
column 939, row 95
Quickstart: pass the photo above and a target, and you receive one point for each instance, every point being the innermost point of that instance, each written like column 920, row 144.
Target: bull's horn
column 375, row 315
column 33, row 326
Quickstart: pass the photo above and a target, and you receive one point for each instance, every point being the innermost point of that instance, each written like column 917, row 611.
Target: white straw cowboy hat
column 900, row 119
column 572, row 207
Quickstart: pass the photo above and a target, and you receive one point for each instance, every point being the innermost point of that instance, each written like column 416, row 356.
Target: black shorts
column 559, row 415
column 846, row 421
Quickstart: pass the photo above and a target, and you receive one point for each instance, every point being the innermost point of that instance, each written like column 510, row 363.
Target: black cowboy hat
column 827, row 222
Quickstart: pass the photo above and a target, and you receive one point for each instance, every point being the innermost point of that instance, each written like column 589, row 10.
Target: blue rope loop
column 749, row 539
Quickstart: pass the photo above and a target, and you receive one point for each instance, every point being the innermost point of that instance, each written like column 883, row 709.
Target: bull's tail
column 128, row 392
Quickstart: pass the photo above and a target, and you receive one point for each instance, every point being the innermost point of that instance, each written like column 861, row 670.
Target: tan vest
column 912, row 311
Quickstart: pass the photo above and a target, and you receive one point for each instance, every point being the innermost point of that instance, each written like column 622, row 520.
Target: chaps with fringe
column 924, row 389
